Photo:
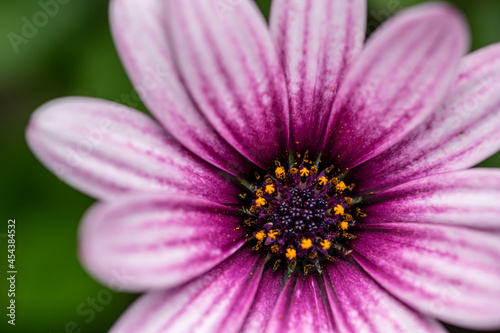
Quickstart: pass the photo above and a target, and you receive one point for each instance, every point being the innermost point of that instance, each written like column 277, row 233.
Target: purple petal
column 141, row 39
column 301, row 307
column 316, row 42
column 105, row 149
column 216, row 302
column 446, row 272
column 462, row 133
column 159, row 241
column 359, row 304
column 227, row 59
column 264, row 302
column 401, row 76
column 469, row 198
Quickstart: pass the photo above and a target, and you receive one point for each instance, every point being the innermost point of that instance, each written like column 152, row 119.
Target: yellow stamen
column 339, row 210
column 314, row 170
column 270, row 189
column 306, row 244
column 323, row 180
column 272, row 234
column 341, row 186
column 325, row 244
column 259, row 193
column 280, row 172
column 304, row 172
column 260, row 202
column 334, row 181
column 291, row 254
column 294, row 171
column 360, row 213
column 260, row 235
column 344, row 225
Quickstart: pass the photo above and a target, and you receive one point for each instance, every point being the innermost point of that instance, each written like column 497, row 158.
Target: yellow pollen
column 323, row 180
column 280, row 172
column 260, row 202
column 314, row 170
column 304, row 172
column 341, row 186
column 291, row 254
column 344, row 225
column 260, row 235
column 339, row 210
column 325, row 244
column 306, row 244
column 259, row 193
column 294, row 171
column 272, row 234
column 270, row 189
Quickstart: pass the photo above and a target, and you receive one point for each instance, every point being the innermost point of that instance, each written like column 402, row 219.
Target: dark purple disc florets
column 301, row 216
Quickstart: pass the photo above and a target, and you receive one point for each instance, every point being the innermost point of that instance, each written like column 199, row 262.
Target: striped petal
column 216, row 302
column 462, row 133
column 105, row 149
column 159, row 241
column 469, row 198
column 360, row 305
column 450, row 273
column 401, row 76
column 140, row 36
column 301, row 307
column 264, row 302
column 316, row 40
column 228, row 61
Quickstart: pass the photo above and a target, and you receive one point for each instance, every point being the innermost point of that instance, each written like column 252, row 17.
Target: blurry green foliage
column 73, row 54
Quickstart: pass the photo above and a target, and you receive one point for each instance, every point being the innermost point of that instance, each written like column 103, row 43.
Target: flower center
column 301, row 216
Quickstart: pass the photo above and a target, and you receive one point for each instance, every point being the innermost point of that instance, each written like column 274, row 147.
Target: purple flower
column 294, row 180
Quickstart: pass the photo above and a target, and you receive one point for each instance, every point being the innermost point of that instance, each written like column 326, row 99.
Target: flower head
column 294, row 179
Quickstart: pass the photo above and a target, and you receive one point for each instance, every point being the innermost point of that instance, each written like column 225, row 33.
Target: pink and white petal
column 106, row 149
column 264, row 302
column 401, row 76
column 230, row 66
column 450, row 273
column 159, row 241
column 216, row 302
column 141, row 38
column 316, row 42
column 469, row 198
column 462, row 133
column 301, row 307
column 360, row 305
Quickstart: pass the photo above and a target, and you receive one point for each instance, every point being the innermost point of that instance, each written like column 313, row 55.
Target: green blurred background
column 73, row 54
